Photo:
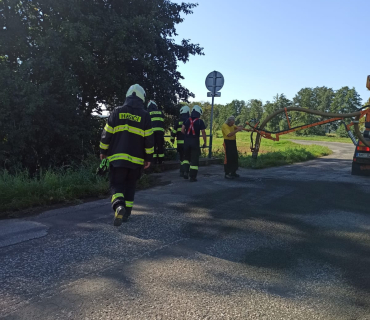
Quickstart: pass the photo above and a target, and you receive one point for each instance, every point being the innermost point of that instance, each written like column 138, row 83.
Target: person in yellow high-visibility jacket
column 229, row 131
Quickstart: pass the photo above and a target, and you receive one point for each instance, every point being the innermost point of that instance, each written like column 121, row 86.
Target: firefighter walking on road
column 191, row 129
column 127, row 142
column 176, row 133
column 157, row 118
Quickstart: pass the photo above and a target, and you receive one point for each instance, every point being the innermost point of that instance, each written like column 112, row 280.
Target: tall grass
column 20, row 190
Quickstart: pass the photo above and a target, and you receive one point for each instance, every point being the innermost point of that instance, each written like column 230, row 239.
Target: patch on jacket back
column 129, row 116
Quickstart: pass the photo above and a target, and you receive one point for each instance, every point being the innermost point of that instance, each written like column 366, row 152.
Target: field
column 271, row 153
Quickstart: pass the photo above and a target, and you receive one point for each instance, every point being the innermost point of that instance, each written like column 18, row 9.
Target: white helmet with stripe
column 198, row 109
column 184, row 109
column 138, row 90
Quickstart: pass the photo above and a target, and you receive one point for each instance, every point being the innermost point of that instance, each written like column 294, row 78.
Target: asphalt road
column 282, row 243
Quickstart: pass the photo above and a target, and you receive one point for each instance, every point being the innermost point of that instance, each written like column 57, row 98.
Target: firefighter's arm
column 204, row 135
column 173, row 132
column 106, row 136
column 148, row 141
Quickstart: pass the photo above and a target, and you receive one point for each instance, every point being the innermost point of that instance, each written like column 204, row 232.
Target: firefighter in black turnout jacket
column 191, row 129
column 127, row 142
column 176, row 133
column 157, row 118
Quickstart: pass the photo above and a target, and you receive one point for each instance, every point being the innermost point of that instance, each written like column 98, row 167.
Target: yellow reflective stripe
column 108, row 128
column 179, row 129
column 148, row 133
column 155, row 155
column 104, row 146
column 180, row 141
column 161, row 155
column 174, row 131
column 155, row 112
column 117, row 195
column 157, row 119
column 158, row 129
column 124, row 156
column 185, row 162
column 129, row 204
column 149, row 150
column 194, row 167
column 128, row 128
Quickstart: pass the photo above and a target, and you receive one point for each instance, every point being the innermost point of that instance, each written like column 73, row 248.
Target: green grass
column 20, row 191
column 271, row 153
column 287, row 154
column 328, row 138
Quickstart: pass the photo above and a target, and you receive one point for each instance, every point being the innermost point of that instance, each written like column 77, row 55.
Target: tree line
column 344, row 100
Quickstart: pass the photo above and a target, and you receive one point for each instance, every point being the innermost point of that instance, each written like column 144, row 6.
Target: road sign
column 217, row 94
column 215, row 81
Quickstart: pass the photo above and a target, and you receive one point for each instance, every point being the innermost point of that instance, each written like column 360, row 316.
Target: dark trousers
column 158, row 147
column 123, row 186
column 180, row 150
column 231, row 156
column 191, row 156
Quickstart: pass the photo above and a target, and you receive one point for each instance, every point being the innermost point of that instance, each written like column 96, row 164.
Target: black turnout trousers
column 231, row 156
column 123, row 185
column 180, row 150
column 158, row 155
column 191, row 157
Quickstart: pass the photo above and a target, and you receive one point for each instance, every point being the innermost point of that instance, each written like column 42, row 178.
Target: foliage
column 320, row 98
column 62, row 60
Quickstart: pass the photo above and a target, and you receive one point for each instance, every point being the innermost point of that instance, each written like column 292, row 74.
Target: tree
column 279, row 102
column 61, row 60
column 319, row 99
column 345, row 100
column 252, row 110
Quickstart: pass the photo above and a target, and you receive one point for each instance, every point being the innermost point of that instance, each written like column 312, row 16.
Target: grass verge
column 283, row 153
column 58, row 186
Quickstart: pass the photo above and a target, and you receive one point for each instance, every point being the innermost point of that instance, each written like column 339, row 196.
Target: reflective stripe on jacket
column 157, row 118
column 127, row 138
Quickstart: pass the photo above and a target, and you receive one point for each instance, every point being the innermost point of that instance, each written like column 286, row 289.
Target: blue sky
column 265, row 47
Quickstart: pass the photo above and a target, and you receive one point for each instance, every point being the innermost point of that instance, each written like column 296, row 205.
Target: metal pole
column 210, row 133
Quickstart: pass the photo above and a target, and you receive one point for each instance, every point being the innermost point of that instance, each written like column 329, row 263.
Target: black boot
column 127, row 214
column 118, row 216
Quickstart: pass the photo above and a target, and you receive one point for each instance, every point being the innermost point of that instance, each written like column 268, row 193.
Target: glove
column 103, row 168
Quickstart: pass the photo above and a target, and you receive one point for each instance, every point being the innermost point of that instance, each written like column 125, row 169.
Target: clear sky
column 265, row 47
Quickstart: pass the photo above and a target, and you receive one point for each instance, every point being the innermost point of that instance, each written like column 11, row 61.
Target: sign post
column 214, row 83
